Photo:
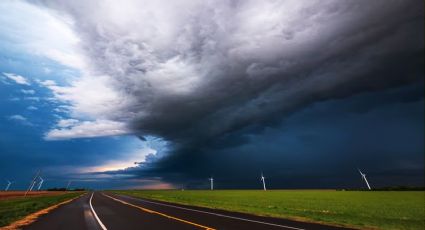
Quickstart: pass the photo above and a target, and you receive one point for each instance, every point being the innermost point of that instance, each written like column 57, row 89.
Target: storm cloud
column 208, row 76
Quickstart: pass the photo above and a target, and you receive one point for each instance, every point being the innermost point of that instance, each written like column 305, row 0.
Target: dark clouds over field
column 305, row 91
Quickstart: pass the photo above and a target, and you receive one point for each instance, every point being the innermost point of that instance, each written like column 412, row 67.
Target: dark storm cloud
column 208, row 76
column 320, row 146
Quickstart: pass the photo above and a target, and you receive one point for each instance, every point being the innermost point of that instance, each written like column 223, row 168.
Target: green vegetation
column 16, row 208
column 362, row 209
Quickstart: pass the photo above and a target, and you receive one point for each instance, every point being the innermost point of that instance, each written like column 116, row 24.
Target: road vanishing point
column 102, row 211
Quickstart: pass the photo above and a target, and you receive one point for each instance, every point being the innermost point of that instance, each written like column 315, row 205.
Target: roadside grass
column 16, row 208
column 360, row 209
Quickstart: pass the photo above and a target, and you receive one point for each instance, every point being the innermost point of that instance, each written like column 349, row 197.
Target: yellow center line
column 159, row 213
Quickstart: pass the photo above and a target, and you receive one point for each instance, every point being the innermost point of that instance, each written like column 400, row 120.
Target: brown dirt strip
column 17, row 194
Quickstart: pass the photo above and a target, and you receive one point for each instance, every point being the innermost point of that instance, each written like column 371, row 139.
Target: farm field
column 361, row 209
column 14, row 207
column 13, row 194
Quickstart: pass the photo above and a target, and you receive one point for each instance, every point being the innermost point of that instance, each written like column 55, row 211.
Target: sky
column 165, row 94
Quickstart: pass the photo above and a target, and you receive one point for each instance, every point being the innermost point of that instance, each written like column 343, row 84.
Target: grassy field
column 16, row 208
column 361, row 209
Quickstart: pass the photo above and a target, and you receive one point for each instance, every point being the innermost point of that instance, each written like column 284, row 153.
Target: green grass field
column 16, row 208
column 361, row 209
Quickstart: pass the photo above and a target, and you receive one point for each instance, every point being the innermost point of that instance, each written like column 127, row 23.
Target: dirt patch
column 17, row 194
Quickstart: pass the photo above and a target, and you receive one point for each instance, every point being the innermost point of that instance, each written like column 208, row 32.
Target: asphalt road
column 107, row 211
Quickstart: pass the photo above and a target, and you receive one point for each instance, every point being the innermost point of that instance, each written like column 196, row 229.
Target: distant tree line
column 64, row 189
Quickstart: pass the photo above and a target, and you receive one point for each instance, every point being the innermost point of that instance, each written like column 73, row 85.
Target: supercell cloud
column 224, row 83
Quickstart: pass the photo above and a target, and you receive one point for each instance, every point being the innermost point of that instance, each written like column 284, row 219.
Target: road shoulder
column 31, row 218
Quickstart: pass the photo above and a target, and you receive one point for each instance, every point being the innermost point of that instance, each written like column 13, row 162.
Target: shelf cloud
column 202, row 75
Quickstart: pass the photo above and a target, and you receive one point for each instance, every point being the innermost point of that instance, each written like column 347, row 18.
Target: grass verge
column 17, row 208
column 361, row 209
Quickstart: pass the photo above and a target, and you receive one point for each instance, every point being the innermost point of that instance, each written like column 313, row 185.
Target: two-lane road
column 108, row 211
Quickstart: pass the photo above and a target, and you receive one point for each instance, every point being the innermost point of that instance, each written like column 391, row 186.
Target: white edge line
column 95, row 215
column 216, row 214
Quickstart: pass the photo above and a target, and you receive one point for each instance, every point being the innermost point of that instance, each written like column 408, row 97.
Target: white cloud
column 62, row 109
column 45, row 32
column 46, row 83
column 70, row 128
column 20, row 119
column 18, row 79
column 66, row 123
column 32, row 108
column 29, row 91
column 93, row 97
